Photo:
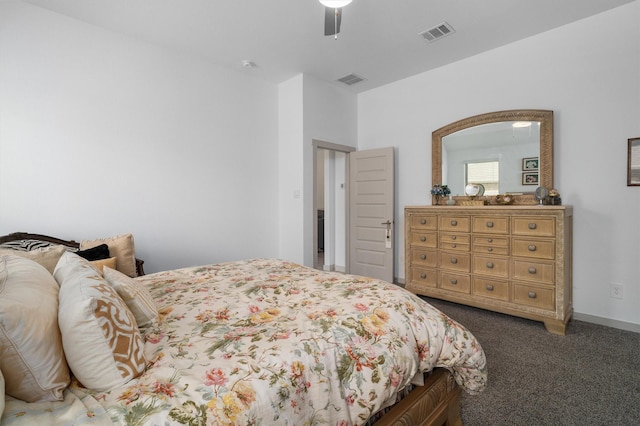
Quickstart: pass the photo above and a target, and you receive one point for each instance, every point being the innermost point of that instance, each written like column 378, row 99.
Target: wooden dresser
column 510, row 259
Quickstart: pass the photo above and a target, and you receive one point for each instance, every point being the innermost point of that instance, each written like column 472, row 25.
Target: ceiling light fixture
column 521, row 124
column 335, row 3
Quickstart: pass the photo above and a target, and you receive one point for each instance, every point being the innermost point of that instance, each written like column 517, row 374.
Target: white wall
column 309, row 109
column 588, row 73
column 101, row 134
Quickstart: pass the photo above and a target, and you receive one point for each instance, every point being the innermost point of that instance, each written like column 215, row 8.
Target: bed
column 264, row 342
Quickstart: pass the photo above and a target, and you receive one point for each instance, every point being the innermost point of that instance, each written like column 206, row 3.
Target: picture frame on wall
column 633, row 162
column 530, row 163
column 530, row 178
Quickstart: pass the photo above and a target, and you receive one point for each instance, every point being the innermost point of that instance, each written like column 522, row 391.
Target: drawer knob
column 490, row 287
column 423, row 239
column 532, row 270
column 423, row 221
column 454, row 223
column 490, row 249
column 423, row 256
column 532, row 226
column 454, row 245
column 489, row 240
column 454, row 260
column 423, row 275
column 532, row 247
column 532, row 295
column 490, row 265
column 454, row 281
column 489, row 224
column 453, row 237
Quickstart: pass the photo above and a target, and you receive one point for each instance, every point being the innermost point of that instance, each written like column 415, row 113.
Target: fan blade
column 332, row 19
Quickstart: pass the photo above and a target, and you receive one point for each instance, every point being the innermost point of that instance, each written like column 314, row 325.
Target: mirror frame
column 545, row 117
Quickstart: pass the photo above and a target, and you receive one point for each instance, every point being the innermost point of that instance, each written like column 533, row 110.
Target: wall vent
column 436, row 33
column 351, row 79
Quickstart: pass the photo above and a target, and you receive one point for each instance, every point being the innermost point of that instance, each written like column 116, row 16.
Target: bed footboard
column 434, row 404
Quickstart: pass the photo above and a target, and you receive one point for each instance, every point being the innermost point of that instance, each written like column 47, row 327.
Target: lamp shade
column 335, row 3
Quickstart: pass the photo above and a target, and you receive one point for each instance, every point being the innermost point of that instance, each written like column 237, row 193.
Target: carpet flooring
column 590, row 376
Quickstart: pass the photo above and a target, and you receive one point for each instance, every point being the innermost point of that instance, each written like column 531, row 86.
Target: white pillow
column 100, row 336
column 120, row 246
column 33, row 361
column 135, row 295
column 45, row 256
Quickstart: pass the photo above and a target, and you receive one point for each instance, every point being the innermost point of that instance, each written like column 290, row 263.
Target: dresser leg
column 555, row 327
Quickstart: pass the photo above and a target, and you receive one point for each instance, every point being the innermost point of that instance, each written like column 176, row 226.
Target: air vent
column 351, row 79
column 436, row 33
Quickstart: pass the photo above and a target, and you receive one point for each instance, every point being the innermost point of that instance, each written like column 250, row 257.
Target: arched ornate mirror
column 508, row 152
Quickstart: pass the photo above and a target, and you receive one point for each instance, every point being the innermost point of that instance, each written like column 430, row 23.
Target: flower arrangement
column 440, row 191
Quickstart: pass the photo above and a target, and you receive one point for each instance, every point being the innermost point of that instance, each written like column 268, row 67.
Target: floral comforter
column 268, row 342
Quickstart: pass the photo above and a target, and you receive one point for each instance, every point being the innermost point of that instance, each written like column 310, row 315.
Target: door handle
column 387, row 239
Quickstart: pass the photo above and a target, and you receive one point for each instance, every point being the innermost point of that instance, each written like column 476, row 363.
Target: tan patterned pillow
column 122, row 247
column 1, row 385
column 135, row 295
column 100, row 336
column 33, row 362
column 46, row 256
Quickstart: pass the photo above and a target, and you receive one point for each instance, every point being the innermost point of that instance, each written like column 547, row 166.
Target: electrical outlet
column 617, row 291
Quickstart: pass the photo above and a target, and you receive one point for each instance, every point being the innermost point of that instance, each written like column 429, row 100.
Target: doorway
column 330, row 205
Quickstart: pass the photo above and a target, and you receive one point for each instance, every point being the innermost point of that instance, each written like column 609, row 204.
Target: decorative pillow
column 33, row 361
column 45, row 256
column 1, row 386
column 135, row 295
column 100, row 336
column 121, row 247
column 100, row 264
column 95, row 253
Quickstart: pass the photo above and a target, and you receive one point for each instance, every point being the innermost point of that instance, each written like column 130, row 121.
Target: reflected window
column 486, row 173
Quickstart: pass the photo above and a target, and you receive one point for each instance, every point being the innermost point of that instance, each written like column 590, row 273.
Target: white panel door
column 371, row 216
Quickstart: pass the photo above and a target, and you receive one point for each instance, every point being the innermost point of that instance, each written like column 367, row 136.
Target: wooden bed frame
column 436, row 403
column 18, row 236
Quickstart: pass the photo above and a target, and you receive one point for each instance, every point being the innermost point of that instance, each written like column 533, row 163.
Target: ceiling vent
column 351, row 79
column 436, row 33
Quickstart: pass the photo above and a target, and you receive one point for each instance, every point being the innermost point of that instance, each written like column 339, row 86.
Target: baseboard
column 608, row 322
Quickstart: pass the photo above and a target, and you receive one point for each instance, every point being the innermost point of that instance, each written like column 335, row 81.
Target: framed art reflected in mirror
column 633, row 162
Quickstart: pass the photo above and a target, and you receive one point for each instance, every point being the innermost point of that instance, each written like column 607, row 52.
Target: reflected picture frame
column 530, row 178
column 633, row 162
column 530, row 163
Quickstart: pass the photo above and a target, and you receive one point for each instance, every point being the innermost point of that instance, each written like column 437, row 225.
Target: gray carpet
column 591, row 376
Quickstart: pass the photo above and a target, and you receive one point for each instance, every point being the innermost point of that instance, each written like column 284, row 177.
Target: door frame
column 319, row 144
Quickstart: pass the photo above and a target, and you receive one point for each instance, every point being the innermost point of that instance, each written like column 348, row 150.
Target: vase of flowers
column 439, row 191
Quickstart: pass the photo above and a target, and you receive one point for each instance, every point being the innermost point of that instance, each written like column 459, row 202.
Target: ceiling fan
column 333, row 16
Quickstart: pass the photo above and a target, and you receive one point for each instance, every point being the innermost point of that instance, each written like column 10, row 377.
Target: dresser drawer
column 424, row 257
column 488, row 265
column 488, row 287
column 456, row 242
column 455, row 223
column 455, row 261
column 537, row 297
column 455, row 282
column 491, row 224
column 490, row 249
column 424, row 222
column 528, row 247
column 534, row 226
column 424, row 239
column 423, row 277
column 539, row 272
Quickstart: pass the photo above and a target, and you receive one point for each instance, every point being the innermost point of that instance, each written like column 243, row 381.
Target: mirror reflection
column 503, row 157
